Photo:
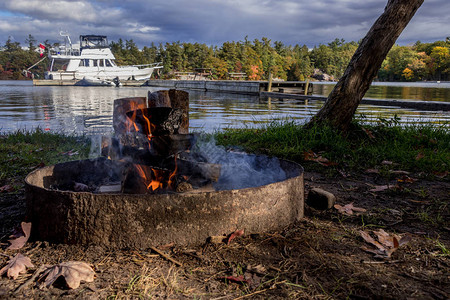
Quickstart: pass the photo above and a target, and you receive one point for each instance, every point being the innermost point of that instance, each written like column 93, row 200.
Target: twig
column 166, row 256
column 32, row 278
column 38, row 244
column 381, row 262
column 252, row 294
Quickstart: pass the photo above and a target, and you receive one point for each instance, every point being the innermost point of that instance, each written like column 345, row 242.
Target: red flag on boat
column 41, row 49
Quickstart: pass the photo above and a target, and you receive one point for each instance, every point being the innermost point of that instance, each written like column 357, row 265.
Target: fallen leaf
column 311, row 156
column 20, row 238
column 379, row 188
column 6, row 188
column 386, row 244
column 70, row 153
column 387, row 162
column 17, row 265
column 73, row 272
column 440, row 174
column 235, row 235
column 406, row 179
column 368, row 132
column 405, row 240
column 236, row 279
column 372, row 171
column 420, row 155
column 217, row 239
column 366, row 236
column 385, row 239
column 348, row 209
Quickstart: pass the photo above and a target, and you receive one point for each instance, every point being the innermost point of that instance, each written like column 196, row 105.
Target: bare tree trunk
column 342, row 102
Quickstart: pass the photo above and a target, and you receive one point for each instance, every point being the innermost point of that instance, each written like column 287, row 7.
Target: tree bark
column 343, row 101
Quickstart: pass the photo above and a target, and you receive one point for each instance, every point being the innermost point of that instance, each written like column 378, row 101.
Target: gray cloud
column 213, row 21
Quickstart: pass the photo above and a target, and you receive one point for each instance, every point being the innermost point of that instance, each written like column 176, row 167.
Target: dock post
column 306, row 86
column 269, row 86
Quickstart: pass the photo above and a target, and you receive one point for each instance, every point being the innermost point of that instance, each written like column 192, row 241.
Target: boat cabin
column 93, row 42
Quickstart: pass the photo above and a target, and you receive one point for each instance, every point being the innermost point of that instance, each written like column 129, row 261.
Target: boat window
column 94, row 62
column 86, row 62
column 108, row 63
column 100, row 62
column 81, row 63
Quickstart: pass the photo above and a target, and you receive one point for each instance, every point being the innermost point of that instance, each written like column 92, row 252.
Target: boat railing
column 65, row 52
column 157, row 65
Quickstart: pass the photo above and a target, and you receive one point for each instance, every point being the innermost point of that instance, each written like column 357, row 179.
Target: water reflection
column 88, row 110
column 398, row 90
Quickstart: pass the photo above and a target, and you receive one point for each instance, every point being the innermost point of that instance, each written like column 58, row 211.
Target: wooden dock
column 409, row 104
column 235, row 86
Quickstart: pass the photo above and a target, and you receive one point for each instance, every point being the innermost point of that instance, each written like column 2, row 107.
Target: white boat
column 92, row 59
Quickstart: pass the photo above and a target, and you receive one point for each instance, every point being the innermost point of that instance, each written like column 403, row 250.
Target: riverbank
column 399, row 175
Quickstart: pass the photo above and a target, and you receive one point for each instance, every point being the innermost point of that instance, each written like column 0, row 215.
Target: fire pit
column 183, row 193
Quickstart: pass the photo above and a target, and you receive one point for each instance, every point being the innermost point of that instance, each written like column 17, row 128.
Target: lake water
column 88, row 110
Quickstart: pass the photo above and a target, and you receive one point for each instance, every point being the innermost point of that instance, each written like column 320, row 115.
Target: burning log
column 175, row 99
column 157, row 121
column 121, row 123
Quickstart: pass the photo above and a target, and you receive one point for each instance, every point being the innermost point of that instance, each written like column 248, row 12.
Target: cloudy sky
column 310, row 22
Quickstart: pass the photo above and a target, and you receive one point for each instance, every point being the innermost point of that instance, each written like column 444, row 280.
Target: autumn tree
column 344, row 99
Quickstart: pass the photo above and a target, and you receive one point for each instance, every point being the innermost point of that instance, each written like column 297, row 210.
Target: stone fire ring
column 144, row 220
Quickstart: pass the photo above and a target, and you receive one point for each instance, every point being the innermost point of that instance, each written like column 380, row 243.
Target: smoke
column 238, row 170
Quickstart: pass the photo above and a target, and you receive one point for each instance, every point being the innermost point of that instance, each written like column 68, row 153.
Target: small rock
column 216, row 239
column 320, row 199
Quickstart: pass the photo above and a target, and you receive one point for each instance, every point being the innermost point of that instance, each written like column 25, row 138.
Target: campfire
column 152, row 139
column 157, row 183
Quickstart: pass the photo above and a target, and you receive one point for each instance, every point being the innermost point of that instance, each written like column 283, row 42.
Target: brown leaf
column 440, row 174
column 372, row 171
column 406, row 179
column 385, row 239
column 348, row 209
column 404, row 240
column 386, row 244
column 311, row 156
column 379, row 188
column 73, row 272
column 235, row 235
column 366, row 236
column 19, row 239
column 6, row 188
column 368, row 132
column 17, row 265
column 236, row 279
column 420, row 155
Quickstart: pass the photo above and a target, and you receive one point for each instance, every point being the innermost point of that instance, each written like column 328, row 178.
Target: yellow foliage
column 408, row 74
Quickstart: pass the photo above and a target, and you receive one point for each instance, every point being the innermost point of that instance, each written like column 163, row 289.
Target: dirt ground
column 319, row 257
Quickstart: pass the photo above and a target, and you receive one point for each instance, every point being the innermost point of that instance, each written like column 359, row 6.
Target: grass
column 23, row 151
column 413, row 148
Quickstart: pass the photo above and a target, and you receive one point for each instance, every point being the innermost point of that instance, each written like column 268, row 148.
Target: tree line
column 257, row 59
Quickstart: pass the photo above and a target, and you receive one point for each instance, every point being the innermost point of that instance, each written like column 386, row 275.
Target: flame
column 131, row 122
column 171, row 181
column 156, row 182
column 154, row 179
